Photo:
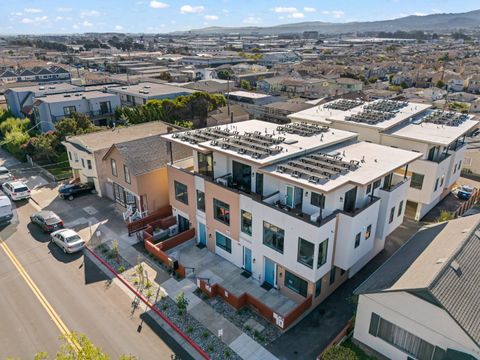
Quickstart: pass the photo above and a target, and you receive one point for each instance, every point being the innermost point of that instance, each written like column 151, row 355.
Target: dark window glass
column 317, row 200
column 200, row 200
column 376, row 184
column 436, row 184
column 221, row 211
column 417, row 181
column 305, row 253
column 369, row 188
column 400, row 208
column 89, row 164
column 295, row 283
column 242, row 176
column 322, row 253
column 246, row 223
column 223, row 242
column 126, row 172
column 113, row 163
column 392, row 215
column 259, row 183
column 357, row 239
column 273, row 236
column 368, row 232
column 333, row 272
column 205, row 164
column 181, row 193
column 318, row 287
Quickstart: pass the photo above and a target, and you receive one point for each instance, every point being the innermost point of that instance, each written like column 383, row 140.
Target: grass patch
column 359, row 352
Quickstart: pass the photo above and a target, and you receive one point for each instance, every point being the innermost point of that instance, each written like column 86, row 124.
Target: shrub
column 227, row 353
column 148, row 284
column 136, row 281
column 13, row 142
column 339, row 353
column 189, row 329
column 205, row 334
column 115, row 252
column 121, row 269
column 182, row 301
column 210, row 348
column 149, row 294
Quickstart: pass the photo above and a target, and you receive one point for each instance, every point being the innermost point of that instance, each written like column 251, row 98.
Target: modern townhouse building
column 298, row 207
column 50, row 74
column 439, row 136
column 98, row 105
column 140, row 93
column 422, row 303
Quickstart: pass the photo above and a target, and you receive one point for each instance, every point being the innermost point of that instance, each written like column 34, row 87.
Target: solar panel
column 446, row 118
column 302, row 129
column 386, row 105
column 370, row 117
column 343, row 104
column 201, row 135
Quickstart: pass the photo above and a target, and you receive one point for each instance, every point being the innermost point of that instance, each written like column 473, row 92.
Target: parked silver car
column 5, row 175
column 68, row 240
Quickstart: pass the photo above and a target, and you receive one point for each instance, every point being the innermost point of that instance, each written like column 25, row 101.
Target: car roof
column 66, row 232
column 3, row 168
column 4, row 200
column 17, row 184
column 46, row 214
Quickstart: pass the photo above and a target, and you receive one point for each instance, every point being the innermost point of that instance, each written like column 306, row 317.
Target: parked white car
column 16, row 190
column 68, row 240
column 6, row 212
column 5, row 175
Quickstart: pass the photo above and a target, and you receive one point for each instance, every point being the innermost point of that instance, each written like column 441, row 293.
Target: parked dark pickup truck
column 71, row 191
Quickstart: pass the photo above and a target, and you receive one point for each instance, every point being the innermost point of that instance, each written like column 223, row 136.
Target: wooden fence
column 142, row 223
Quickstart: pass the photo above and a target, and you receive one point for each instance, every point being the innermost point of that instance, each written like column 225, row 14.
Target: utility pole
column 228, row 93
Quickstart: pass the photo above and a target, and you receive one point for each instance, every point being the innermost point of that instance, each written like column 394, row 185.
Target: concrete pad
column 254, row 325
column 244, row 346
column 263, row 354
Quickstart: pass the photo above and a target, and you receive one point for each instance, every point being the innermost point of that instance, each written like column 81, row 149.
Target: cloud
column 226, row 11
column 189, row 9
column 33, row 10
column 118, row 27
column 87, row 23
column 283, row 9
column 309, row 9
column 297, row 15
column 437, row 11
column 35, row 21
column 59, row 18
column 18, row 13
column 419, row 14
column 158, row 5
column 89, row 13
column 64, row 9
column 211, row 17
column 75, row 26
column 335, row 13
column 252, row 20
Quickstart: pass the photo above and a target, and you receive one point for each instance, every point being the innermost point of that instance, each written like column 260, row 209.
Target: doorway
column 247, row 259
column 270, row 268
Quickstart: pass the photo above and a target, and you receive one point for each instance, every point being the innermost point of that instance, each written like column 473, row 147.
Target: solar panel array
column 302, row 129
column 202, row 135
column 386, row 105
column 343, row 104
column 318, row 167
column 447, row 118
column 370, row 117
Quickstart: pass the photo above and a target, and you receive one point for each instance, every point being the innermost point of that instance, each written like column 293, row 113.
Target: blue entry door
column 247, row 259
column 202, row 234
column 269, row 272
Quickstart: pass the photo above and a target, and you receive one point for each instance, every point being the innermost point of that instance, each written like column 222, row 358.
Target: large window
column 357, row 239
column 400, row 208
column 69, row 110
column 126, row 172
column 392, row 215
column 403, row 340
column 246, row 222
column 317, row 200
column 89, row 164
column 181, row 193
column 295, row 283
column 368, row 232
column 306, row 252
column 113, row 164
column 273, row 236
column 242, row 176
column 221, row 211
column 205, row 164
column 417, row 181
column 223, row 242
column 200, row 200
column 322, row 253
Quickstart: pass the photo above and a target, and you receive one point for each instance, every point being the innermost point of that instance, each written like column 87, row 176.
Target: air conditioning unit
column 173, row 230
column 222, row 181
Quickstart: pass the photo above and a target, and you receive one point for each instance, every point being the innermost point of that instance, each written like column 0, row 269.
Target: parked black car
column 71, row 191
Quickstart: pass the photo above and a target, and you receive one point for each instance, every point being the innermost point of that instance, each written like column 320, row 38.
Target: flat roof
column 74, row 96
column 293, row 143
column 60, row 87
column 248, row 94
column 324, row 115
column 153, row 89
column 374, row 161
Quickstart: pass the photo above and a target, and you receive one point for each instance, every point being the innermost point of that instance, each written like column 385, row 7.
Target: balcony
column 397, row 181
column 96, row 114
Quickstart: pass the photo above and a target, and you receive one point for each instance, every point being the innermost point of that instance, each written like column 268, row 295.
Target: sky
column 162, row 16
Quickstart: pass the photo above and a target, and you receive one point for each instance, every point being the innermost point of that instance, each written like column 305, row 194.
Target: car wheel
column 70, row 197
column 51, row 239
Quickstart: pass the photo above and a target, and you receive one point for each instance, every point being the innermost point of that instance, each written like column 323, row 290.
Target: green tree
column 339, row 353
column 445, row 216
column 224, row 74
column 182, row 302
column 440, row 84
column 42, row 147
column 11, row 124
column 244, row 84
column 13, row 142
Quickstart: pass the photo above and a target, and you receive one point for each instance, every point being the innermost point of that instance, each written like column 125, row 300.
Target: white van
column 6, row 213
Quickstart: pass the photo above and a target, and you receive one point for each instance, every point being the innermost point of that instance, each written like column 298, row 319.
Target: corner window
column 113, row 164
column 369, row 188
column 377, row 183
column 368, row 232
column 223, row 242
column 392, row 215
column 68, row 110
column 246, row 223
column 200, row 200
column 305, row 253
column 70, row 155
column 221, row 211
column 322, row 253
column 126, row 172
column 357, row 239
column 417, row 181
column 273, row 236
column 400, row 208
column 181, row 192
column 293, row 282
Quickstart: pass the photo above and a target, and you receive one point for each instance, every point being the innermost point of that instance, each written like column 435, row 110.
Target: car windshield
column 52, row 220
column 21, row 189
column 4, row 172
column 73, row 238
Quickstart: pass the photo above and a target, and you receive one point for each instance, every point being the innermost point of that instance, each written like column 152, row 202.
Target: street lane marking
column 51, row 312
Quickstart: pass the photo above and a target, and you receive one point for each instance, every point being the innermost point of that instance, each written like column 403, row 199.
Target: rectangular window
column 113, row 164
column 368, row 232
column 273, row 236
column 417, row 181
column 460, row 165
column 442, row 179
column 436, row 184
column 295, row 283
column 83, row 163
column 305, row 253
column 181, row 192
column 317, row 200
column 200, row 200
column 357, row 239
column 400, row 208
column 126, row 173
column 70, row 155
column 68, row 110
column 369, row 188
column 333, row 272
column 221, row 211
column 377, row 183
column 392, row 215
column 89, row 164
column 246, row 223
column 318, row 287
column 223, row 242
column 322, row 253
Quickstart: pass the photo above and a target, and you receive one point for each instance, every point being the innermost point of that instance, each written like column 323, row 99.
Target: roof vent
column 67, row 95
column 51, row 87
column 124, row 88
column 456, row 267
column 41, row 88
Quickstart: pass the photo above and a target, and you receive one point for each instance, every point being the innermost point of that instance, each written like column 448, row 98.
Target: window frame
column 277, row 241
column 219, row 204
column 126, row 174
column 179, row 195
column 358, row 238
column 400, row 208
column 324, row 251
column 202, row 195
column 308, row 244
column 113, row 165
column 417, row 185
column 392, row 215
column 248, row 229
column 228, row 242
column 302, row 288
column 368, row 232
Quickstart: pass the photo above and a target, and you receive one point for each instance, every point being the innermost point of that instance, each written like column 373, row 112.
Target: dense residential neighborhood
column 254, row 190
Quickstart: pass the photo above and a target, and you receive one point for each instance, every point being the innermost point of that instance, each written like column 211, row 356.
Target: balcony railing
column 92, row 114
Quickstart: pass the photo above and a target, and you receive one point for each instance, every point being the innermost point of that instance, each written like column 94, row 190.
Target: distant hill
column 435, row 22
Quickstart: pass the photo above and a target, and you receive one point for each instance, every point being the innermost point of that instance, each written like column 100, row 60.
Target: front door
column 183, row 224
column 289, row 199
column 270, row 272
column 247, row 259
column 202, row 234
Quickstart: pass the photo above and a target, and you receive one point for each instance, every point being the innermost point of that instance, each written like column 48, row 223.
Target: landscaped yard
column 359, row 352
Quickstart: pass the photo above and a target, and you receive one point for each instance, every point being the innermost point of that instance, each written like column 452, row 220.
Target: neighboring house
column 423, row 302
column 227, row 114
column 86, row 152
column 438, row 136
column 136, row 173
column 20, row 99
column 473, row 84
column 349, row 84
column 50, row 74
column 279, row 57
column 299, row 207
column 139, row 94
column 99, row 106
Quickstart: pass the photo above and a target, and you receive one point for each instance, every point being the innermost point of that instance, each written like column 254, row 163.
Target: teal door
column 247, row 259
column 202, row 234
column 289, row 200
column 269, row 272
